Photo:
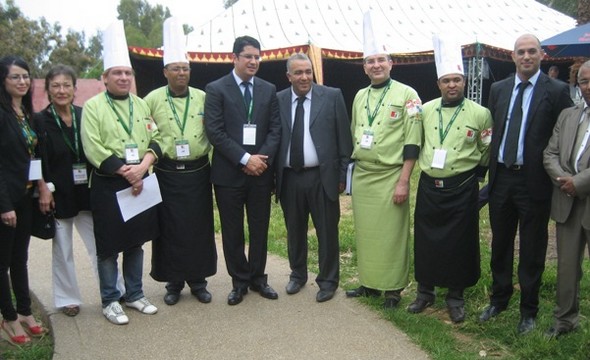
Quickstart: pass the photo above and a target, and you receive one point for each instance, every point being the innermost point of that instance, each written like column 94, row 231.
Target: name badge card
column 35, row 172
column 249, row 134
column 182, row 149
column 367, row 139
column 438, row 161
column 131, row 154
column 80, row 174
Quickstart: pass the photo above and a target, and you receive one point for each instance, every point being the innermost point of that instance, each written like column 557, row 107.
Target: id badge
column 131, row 154
column 80, row 174
column 182, row 149
column 249, row 134
column 438, row 161
column 367, row 139
column 35, row 172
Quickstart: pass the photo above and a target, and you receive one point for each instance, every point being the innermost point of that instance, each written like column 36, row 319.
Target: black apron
column 446, row 231
column 185, row 249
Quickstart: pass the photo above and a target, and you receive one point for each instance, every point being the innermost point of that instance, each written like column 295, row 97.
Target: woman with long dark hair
column 18, row 173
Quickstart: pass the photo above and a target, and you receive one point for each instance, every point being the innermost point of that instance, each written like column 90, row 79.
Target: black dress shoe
column 265, row 291
column 171, row 298
column 324, row 295
column 293, row 287
column 363, row 291
column 555, row 332
column 490, row 312
column 202, row 295
column 457, row 314
column 419, row 305
column 236, row 296
column 525, row 325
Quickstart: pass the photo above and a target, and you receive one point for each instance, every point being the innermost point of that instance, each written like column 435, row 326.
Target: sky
column 93, row 15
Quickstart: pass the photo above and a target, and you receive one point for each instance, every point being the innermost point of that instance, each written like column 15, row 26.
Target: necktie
column 581, row 138
column 511, row 143
column 296, row 159
column 247, row 94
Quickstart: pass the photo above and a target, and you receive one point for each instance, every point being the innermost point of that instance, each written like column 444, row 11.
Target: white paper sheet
column 131, row 205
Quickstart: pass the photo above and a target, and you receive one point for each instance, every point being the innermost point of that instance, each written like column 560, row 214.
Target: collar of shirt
column 294, row 96
column 532, row 80
column 239, row 81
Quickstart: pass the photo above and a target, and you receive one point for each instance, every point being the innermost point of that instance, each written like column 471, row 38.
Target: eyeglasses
column 250, row 57
column 17, row 77
column 177, row 69
column 58, row 86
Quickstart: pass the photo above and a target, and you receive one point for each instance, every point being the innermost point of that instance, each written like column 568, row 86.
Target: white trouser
column 65, row 284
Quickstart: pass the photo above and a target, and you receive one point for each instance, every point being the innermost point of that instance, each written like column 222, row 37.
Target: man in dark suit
column 567, row 161
column 311, row 172
column 243, row 125
column 519, row 188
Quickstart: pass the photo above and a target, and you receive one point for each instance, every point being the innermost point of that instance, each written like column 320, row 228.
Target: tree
column 16, row 30
column 568, row 7
column 41, row 44
column 583, row 12
column 143, row 23
column 229, row 3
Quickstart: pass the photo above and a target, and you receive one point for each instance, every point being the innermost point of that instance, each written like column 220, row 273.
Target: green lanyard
column 76, row 146
column 249, row 108
column 28, row 133
column 188, row 99
column 440, row 121
column 129, row 129
column 373, row 115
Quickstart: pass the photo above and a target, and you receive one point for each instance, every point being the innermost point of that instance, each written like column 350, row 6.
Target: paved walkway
column 292, row 327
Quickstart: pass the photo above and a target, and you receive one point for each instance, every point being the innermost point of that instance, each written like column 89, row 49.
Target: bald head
column 527, row 56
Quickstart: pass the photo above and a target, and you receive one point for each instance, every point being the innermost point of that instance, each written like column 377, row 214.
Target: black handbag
column 43, row 225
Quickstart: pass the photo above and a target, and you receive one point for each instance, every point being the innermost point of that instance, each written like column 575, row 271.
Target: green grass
column 432, row 330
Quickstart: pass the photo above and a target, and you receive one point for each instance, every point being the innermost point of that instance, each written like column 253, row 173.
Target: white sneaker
column 143, row 305
column 115, row 314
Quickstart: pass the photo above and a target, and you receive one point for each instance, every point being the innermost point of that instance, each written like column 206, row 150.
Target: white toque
column 114, row 46
column 174, row 42
column 447, row 55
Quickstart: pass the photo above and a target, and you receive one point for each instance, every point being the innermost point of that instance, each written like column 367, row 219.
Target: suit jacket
column 329, row 127
column 14, row 162
column 558, row 162
column 225, row 116
column 550, row 97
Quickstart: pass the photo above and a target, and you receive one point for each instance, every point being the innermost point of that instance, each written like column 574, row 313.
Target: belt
column 512, row 167
column 303, row 169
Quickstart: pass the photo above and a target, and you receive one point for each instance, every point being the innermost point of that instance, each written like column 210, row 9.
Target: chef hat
column 174, row 41
column 114, row 46
column 447, row 55
column 374, row 35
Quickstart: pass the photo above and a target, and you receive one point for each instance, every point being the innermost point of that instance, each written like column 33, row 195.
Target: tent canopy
column 338, row 24
column 573, row 42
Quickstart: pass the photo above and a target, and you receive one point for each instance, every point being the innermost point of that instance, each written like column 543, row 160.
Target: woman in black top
column 18, row 173
column 66, row 188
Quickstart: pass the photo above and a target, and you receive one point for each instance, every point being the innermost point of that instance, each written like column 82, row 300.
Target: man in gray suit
column 567, row 161
column 313, row 156
column 243, row 125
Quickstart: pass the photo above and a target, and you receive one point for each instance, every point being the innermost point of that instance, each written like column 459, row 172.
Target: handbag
column 42, row 225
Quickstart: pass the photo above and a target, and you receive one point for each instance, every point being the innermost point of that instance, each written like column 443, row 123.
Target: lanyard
column 440, row 121
column 76, row 146
column 127, row 129
column 186, row 105
column 28, row 133
column 249, row 108
column 373, row 115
